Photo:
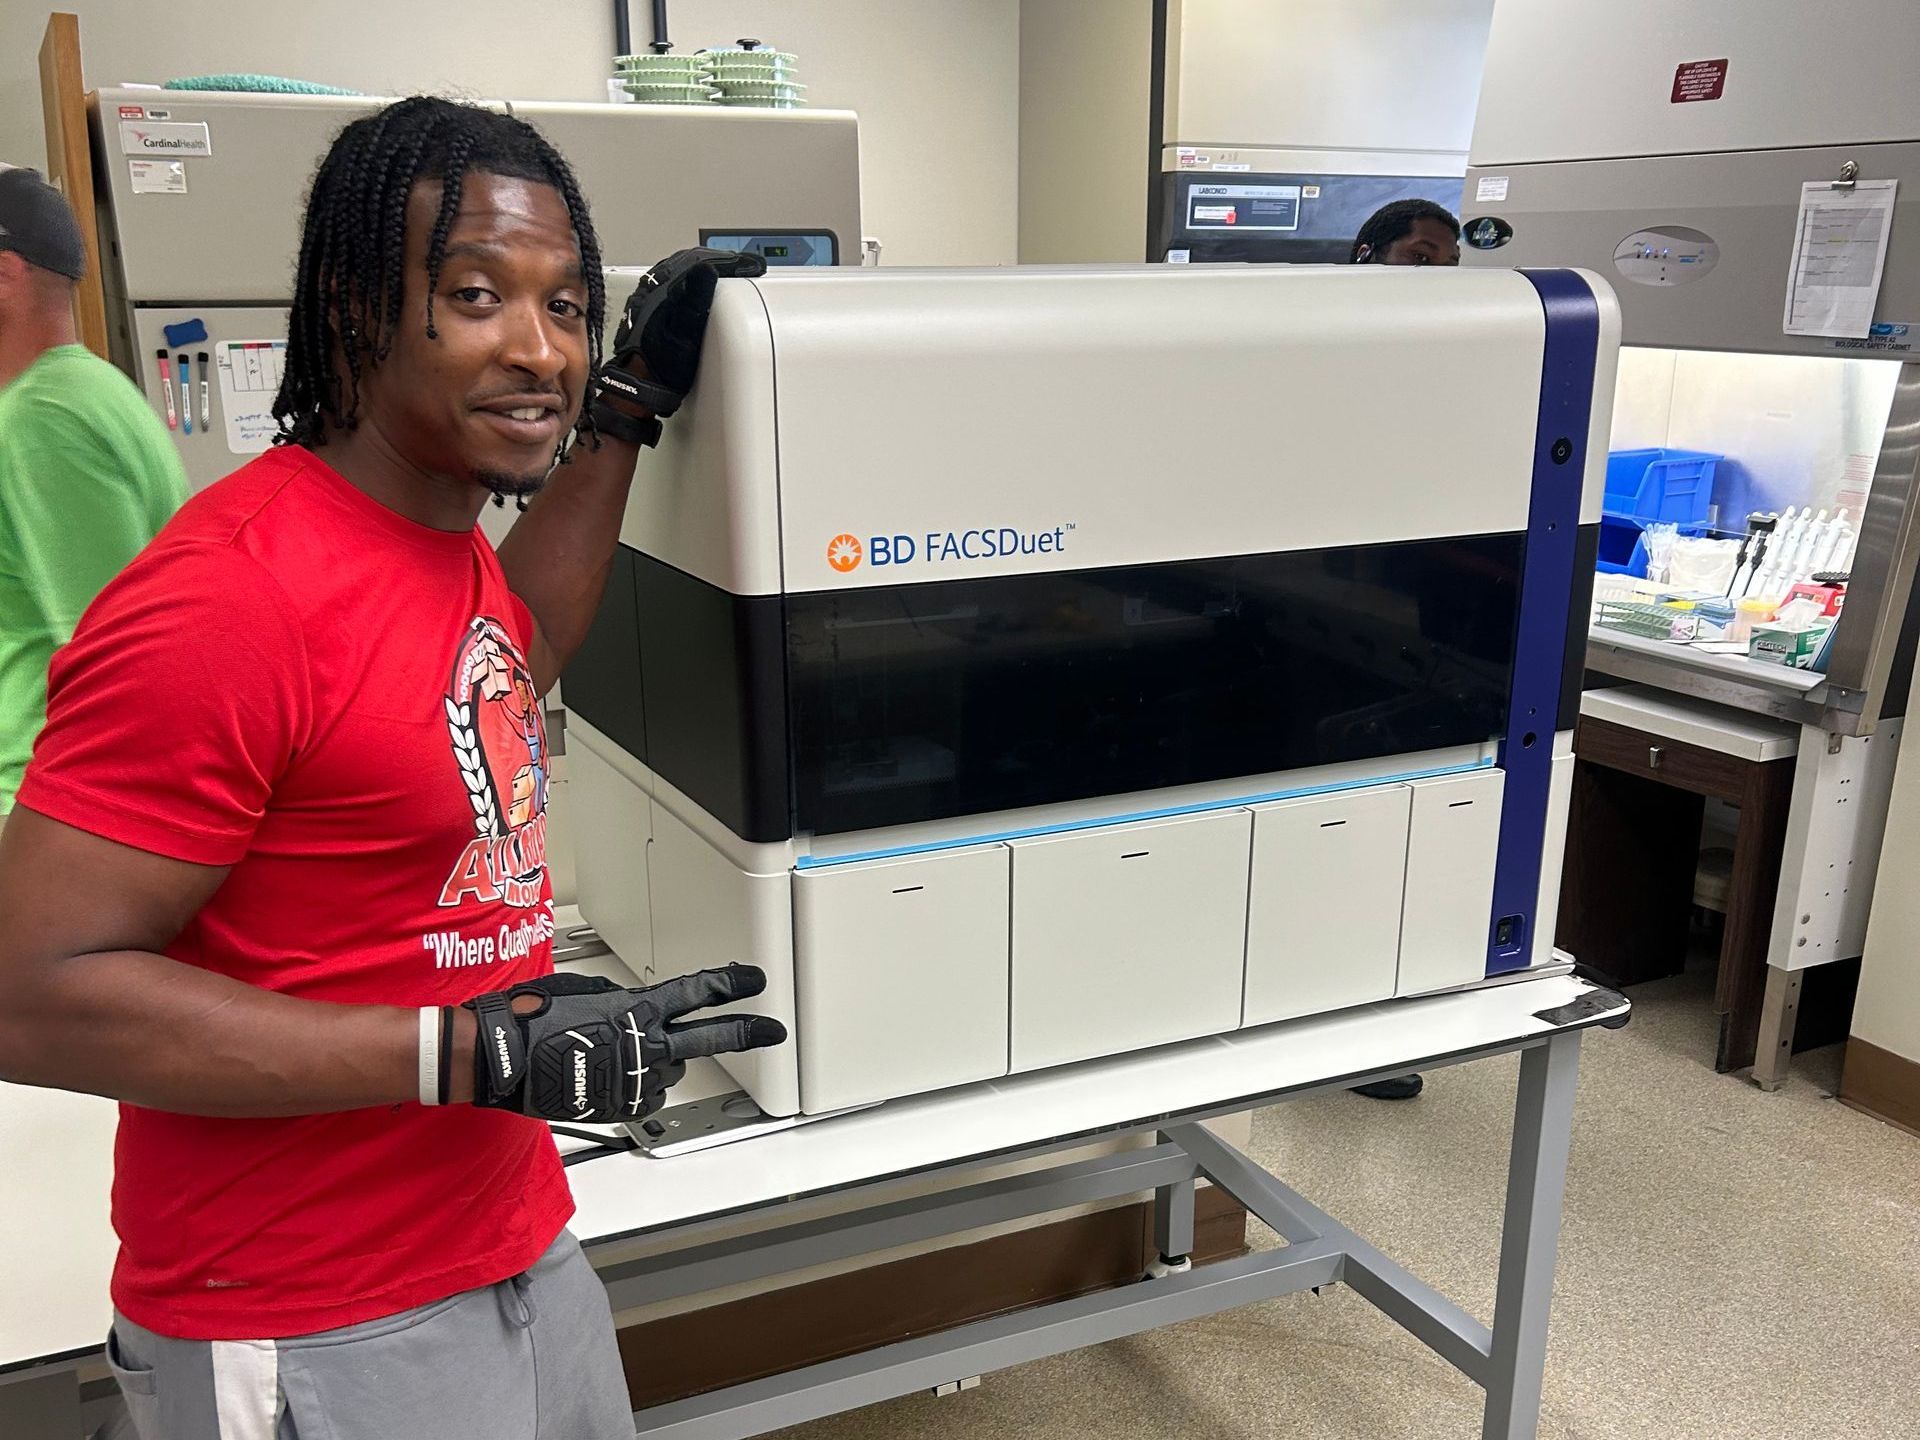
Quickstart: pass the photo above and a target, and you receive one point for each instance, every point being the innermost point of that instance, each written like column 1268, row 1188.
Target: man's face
column 1428, row 243
column 488, row 401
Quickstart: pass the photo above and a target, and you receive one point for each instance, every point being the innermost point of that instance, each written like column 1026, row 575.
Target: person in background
column 1405, row 232
column 1408, row 232
column 87, row 473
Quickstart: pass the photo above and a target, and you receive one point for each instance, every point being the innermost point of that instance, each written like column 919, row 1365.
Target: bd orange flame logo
column 843, row 553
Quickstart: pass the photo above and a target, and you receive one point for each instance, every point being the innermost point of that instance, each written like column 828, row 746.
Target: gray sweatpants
column 532, row 1358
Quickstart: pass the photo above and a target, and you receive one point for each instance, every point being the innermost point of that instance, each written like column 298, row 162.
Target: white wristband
column 430, row 1055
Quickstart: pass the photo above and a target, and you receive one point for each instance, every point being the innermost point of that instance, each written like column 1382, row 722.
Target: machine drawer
column 1447, row 915
column 901, row 973
column 1323, row 915
column 1128, row 936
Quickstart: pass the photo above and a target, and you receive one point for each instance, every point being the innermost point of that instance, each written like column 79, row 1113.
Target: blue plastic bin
column 1660, row 484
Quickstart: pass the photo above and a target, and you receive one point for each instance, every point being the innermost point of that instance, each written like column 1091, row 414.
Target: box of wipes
column 1778, row 645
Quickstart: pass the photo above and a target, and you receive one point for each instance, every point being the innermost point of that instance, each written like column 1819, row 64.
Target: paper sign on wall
column 1839, row 256
column 158, row 177
column 249, row 379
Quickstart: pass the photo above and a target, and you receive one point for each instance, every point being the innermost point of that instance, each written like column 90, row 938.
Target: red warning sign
column 132, row 112
column 1699, row 80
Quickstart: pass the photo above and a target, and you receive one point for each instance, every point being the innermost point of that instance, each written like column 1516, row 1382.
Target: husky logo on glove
column 499, row 740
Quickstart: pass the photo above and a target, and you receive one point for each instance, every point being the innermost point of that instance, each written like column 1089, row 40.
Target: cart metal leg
column 1530, row 1237
column 1173, row 1219
column 1508, row 1361
column 1779, row 1012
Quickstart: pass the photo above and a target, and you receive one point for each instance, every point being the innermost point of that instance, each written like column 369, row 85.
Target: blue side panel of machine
column 1547, row 587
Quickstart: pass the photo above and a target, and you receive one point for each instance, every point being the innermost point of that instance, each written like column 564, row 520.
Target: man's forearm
column 557, row 555
column 148, row 1030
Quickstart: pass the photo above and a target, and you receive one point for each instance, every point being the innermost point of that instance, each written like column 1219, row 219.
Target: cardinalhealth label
column 170, row 139
column 1699, row 80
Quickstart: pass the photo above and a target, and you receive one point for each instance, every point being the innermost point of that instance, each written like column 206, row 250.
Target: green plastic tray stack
column 746, row 73
column 664, row 79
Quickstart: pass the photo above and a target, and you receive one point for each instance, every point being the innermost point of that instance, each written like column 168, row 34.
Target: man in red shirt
column 276, row 877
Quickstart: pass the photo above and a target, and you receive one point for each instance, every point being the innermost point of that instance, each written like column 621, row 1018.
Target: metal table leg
column 1530, row 1237
column 1507, row 1360
column 1779, row 1010
column 1759, row 843
column 1830, row 862
column 1173, row 1219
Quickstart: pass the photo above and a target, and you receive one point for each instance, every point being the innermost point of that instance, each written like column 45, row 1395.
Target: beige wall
column 936, row 84
column 376, row 46
column 1085, row 72
column 1326, row 74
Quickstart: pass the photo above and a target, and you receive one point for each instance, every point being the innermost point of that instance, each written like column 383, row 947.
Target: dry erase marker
column 166, row 386
column 206, row 408
column 183, row 367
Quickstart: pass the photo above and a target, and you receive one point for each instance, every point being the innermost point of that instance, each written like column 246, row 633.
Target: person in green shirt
column 88, row 474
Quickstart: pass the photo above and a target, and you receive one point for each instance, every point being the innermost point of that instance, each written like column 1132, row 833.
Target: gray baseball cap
column 37, row 224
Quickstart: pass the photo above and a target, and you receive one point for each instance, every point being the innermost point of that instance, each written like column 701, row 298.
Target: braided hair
column 349, row 288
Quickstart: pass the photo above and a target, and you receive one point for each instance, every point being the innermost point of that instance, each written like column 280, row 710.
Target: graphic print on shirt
column 499, row 740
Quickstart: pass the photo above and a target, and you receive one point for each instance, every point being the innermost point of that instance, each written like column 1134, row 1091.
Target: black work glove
column 656, row 350
column 598, row 1052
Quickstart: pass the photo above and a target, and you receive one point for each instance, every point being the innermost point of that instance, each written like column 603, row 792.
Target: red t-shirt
column 297, row 682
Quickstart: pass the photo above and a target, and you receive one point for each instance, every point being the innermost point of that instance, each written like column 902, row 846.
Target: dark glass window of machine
column 928, row 701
